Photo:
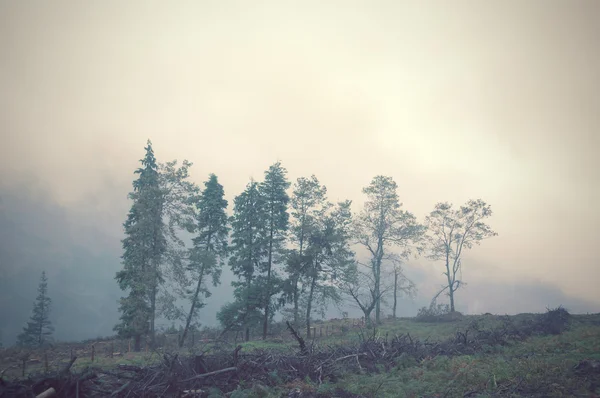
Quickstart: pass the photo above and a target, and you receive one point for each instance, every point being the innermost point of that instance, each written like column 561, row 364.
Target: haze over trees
column 248, row 251
column 144, row 247
column 39, row 329
column 273, row 191
column 209, row 249
column 292, row 253
column 450, row 232
column 381, row 226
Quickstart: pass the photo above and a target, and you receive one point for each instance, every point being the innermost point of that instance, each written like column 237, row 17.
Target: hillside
column 533, row 355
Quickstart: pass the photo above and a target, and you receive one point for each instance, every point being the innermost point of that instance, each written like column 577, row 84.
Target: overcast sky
column 453, row 99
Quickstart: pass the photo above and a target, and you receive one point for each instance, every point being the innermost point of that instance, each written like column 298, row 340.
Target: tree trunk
column 309, row 306
column 190, row 315
column 395, row 292
column 367, row 313
column 450, row 286
column 137, row 346
column 296, row 303
column 377, row 294
column 247, row 336
column 268, row 287
column 152, row 315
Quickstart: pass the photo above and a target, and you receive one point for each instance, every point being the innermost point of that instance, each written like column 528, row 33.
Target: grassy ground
column 538, row 366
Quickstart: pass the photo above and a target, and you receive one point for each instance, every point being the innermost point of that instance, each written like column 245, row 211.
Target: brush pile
column 226, row 369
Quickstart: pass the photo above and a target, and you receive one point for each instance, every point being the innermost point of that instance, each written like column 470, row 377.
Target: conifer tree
column 210, row 245
column 273, row 190
column 39, row 328
column 248, row 252
column 144, row 246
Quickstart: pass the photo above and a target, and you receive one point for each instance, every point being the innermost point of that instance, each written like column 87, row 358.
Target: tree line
column 293, row 253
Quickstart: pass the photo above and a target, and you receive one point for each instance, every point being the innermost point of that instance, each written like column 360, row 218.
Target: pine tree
column 210, row 246
column 248, row 253
column 273, row 190
column 39, row 328
column 144, row 246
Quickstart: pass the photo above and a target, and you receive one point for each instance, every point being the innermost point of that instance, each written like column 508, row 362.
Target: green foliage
column 308, row 202
column 39, row 328
column 144, row 247
column 330, row 260
column 209, row 246
column 211, row 218
column 256, row 237
column 382, row 224
column 248, row 237
column 273, row 190
column 435, row 313
column 244, row 312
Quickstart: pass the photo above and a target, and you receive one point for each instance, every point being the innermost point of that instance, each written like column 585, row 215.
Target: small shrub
column 437, row 313
column 554, row 321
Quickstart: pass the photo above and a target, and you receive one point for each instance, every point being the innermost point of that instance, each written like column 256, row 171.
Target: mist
column 460, row 101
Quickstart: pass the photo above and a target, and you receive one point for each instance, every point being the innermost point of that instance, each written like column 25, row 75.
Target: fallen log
column 216, row 372
column 46, row 394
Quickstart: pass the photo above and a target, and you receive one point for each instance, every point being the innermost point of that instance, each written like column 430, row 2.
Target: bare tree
column 381, row 225
column 402, row 284
column 365, row 292
column 450, row 232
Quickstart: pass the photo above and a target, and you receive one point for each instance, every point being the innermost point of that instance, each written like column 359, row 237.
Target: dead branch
column 216, row 372
column 300, row 340
column 67, row 368
column 46, row 394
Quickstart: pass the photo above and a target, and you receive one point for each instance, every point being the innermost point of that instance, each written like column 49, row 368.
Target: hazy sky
column 453, row 99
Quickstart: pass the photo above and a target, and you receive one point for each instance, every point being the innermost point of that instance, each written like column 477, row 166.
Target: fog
column 470, row 100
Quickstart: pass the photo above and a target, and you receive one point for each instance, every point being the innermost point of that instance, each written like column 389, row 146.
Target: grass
column 540, row 364
column 537, row 366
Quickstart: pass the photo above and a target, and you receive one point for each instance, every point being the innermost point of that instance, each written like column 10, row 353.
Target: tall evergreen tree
column 249, row 248
column 273, row 190
column 39, row 328
column 210, row 245
column 144, row 247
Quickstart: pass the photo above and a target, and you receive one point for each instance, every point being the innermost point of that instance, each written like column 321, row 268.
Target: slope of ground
column 533, row 355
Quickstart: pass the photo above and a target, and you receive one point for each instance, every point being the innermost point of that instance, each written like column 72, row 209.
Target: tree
column 210, row 245
column 307, row 203
column 144, row 247
column 273, row 191
column 402, row 284
column 361, row 287
column 249, row 248
column 39, row 328
column 382, row 224
column 243, row 314
column 328, row 256
column 451, row 231
column 179, row 214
